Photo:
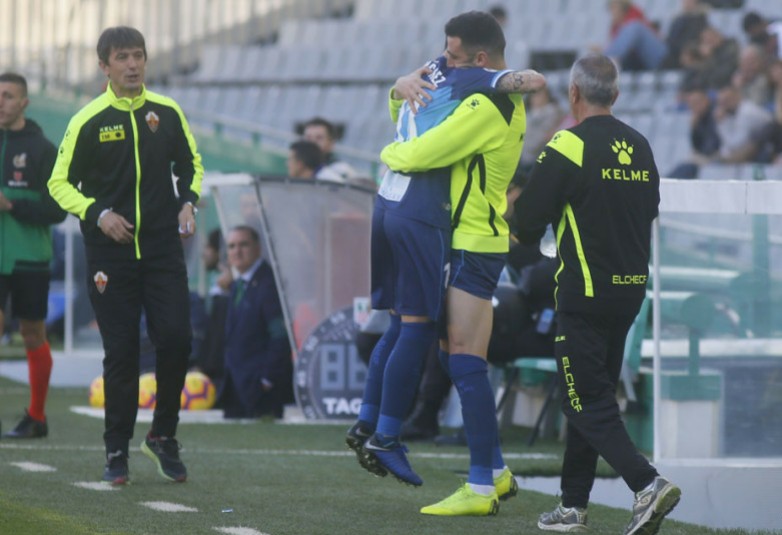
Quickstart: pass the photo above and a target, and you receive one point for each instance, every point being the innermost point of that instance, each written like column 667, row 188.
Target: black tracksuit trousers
column 589, row 351
column 157, row 283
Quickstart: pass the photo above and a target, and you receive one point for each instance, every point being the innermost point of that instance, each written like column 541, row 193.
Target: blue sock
column 402, row 375
column 470, row 375
column 373, row 387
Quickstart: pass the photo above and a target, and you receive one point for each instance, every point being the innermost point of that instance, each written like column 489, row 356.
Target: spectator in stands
column 775, row 77
column 704, row 138
column 740, row 123
column 685, row 28
column 765, row 34
column 720, row 58
column 691, row 61
column 543, row 117
column 258, row 366
column 771, row 135
column 218, row 274
column 500, row 14
column 324, row 135
column 751, row 77
column 633, row 43
column 305, row 161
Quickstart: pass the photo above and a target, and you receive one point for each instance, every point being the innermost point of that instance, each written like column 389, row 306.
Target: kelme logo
column 623, row 151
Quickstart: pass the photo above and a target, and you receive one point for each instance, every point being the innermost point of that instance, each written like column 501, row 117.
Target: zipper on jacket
column 137, row 160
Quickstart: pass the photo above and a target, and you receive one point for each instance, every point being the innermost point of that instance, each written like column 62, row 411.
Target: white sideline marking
column 95, row 485
column 239, row 531
column 213, row 416
column 169, row 507
column 34, row 467
column 262, row 452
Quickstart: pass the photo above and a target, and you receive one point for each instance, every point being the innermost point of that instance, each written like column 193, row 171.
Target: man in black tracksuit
column 598, row 186
column 113, row 171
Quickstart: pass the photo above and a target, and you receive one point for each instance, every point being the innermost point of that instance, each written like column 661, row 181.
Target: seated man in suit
column 258, row 369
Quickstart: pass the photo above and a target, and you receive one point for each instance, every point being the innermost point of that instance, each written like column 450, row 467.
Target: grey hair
column 596, row 75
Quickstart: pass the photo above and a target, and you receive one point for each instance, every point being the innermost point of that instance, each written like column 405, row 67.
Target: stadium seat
column 342, row 68
column 291, row 32
column 209, row 64
column 233, row 102
column 643, row 122
column 251, row 98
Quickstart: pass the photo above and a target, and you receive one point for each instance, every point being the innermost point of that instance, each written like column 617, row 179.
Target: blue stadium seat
column 342, row 68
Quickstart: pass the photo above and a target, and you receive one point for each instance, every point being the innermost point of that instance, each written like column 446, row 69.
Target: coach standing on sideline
column 26, row 213
column 598, row 186
column 113, row 171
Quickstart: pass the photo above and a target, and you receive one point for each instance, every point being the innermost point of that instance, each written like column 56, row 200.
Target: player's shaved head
column 478, row 31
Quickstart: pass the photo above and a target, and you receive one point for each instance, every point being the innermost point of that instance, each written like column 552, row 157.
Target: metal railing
column 275, row 139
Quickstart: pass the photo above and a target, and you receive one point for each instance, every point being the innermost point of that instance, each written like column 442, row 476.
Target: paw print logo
column 623, row 150
column 474, row 103
column 541, row 156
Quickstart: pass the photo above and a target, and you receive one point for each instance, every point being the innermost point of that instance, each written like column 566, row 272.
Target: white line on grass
column 95, row 485
column 239, row 531
column 293, row 416
column 185, row 417
column 34, row 467
column 169, row 507
column 48, row 447
column 262, row 452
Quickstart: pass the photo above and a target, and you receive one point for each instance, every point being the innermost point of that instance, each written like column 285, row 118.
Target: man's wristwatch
column 193, row 206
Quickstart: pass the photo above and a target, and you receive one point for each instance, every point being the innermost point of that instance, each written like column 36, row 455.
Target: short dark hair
column 478, row 31
column 320, row 121
column 307, row 153
column 751, row 20
column 119, row 37
column 498, row 12
column 214, row 238
column 15, row 78
column 256, row 238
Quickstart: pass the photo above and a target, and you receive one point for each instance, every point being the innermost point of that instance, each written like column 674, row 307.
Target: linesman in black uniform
column 598, row 186
column 114, row 172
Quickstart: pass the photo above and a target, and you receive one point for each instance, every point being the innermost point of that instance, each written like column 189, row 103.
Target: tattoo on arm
column 519, row 82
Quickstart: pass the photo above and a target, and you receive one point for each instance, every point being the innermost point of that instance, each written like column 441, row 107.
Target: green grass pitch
column 257, row 478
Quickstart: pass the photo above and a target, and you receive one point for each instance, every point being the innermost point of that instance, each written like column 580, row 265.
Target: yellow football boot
column 505, row 485
column 465, row 502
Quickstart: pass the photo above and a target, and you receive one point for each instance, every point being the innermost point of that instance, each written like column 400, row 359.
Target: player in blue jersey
column 411, row 235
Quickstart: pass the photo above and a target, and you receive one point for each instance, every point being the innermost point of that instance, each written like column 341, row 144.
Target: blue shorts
column 409, row 265
column 476, row 273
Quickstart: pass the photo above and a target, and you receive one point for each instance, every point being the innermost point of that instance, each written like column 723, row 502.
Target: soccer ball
column 147, row 391
column 96, row 397
column 199, row 392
